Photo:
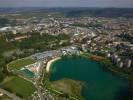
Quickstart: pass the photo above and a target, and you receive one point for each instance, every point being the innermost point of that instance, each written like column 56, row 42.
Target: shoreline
column 48, row 65
column 110, row 69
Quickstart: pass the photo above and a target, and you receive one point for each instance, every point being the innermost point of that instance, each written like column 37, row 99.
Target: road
column 39, row 91
column 11, row 95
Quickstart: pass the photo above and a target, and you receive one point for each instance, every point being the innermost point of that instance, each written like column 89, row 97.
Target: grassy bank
column 68, row 86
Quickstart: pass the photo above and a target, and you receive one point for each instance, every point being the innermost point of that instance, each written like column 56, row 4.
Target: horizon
column 71, row 7
column 68, row 3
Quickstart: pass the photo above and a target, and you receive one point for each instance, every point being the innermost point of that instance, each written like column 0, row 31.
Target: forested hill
column 75, row 11
column 102, row 12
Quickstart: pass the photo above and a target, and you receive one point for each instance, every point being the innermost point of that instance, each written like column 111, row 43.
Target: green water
column 99, row 84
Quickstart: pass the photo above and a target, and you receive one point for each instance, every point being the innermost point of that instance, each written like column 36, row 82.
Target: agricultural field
column 18, row 86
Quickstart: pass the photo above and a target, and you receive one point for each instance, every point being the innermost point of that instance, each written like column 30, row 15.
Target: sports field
column 17, row 64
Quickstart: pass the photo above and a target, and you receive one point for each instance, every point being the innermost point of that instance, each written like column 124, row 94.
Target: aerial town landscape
column 66, row 53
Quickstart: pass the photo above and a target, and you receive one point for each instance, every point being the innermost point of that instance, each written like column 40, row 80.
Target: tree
column 2, row 64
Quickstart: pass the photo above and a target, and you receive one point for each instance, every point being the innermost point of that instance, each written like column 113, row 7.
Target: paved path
column 11, row 95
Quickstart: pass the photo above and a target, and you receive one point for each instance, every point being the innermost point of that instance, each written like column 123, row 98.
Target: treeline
column 42, row 42
column 99, row 12
column 4, row 46
column 3, row 22
column 6, row 22
column 3, row 68
column 26, row 47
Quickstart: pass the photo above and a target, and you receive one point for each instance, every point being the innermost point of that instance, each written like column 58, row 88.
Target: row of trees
column 3, row 69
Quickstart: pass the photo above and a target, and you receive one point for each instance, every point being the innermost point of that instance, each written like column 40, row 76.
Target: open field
column 17, row 64
column 18, row 85
column 68, row 86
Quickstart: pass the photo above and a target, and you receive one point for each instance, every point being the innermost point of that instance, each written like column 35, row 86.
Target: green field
column 17, row 64
column 18, row 85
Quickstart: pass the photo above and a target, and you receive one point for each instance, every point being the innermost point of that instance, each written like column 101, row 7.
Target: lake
column 100, row 84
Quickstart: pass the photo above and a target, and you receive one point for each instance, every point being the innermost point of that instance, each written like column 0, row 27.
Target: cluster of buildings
column 121, row 62
column 120, row 52
column 47, row 55
column 70, row 26
column 93, row 34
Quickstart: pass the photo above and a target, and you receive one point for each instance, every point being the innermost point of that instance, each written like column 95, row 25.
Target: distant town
column 29, row 41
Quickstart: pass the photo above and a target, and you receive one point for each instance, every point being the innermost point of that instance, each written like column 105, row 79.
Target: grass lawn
column 18, row 85
column 17, row 64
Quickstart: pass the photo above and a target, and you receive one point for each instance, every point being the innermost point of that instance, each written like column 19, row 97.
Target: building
column 120, row 64
column 128, row 63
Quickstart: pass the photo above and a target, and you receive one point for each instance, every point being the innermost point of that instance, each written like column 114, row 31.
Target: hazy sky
column 68, row 3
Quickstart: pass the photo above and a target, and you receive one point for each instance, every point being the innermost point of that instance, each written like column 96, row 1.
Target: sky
column 67, row 3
